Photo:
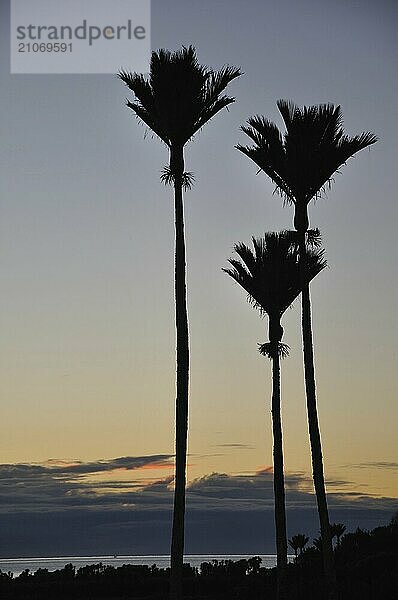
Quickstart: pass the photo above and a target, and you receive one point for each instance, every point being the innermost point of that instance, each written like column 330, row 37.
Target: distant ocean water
column 17, row 565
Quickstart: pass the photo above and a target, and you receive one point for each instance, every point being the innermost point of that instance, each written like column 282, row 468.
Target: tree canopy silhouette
column 302, row 160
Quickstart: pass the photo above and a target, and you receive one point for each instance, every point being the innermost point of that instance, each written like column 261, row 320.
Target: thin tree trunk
column 182, row 382
column 279, row 480
column 314, row 433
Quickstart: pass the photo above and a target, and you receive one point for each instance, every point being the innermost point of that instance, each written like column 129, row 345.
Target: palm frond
column 268, row 350
column 303, row 160
column 218, row 81
column 283, row 350
column 258, row 157
column 208, row 113
column 211, row 100
column 268, row 153
column 289, row 111
column 180, row 95
column 147, row 118
column 248, row 258
column 314, row 238
column 140, row 87
column 270, row 273
column 314, row 262
column 188, row 179
column 168, row 178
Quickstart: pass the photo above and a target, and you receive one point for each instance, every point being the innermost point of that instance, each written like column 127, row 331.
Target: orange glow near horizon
column 263, row 470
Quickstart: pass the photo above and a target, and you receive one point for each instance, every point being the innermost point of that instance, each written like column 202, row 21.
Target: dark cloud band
column 225, row 513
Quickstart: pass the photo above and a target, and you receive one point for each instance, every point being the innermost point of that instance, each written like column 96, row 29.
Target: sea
column 17, row 565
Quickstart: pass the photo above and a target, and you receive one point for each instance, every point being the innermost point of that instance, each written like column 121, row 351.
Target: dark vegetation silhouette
column 366, row 565
column 336, row 531
column 175, row 102
column 301, row 163
column 298, row 542
column 271, row 276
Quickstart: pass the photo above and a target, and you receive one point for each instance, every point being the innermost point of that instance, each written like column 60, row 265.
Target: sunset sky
column 87, row 350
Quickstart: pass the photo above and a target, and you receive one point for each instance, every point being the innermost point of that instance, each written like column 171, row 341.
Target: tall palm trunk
column 182, row 381
column 279, row 480
column 313, row 428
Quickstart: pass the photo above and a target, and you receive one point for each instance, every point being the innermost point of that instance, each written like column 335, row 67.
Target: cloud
column 248, row 492
column 62, row 485
column 238, row 446
column 66, row 469
column 375, row 465
column 77, row 513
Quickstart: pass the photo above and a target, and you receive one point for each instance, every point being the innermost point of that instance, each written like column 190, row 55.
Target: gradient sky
column 86, row 269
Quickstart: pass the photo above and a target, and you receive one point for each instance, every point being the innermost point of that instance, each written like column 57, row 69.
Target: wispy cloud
column 237, row 446
column 68, row 469
column 374, row 465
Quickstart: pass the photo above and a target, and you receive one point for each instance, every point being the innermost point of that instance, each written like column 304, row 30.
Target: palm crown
column 179, row 96
column 337, row 530
column 298, row 542
column 271, row 274
column 302, row 161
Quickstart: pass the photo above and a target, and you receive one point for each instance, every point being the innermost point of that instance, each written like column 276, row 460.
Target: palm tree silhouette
column 272, row 277
column 336, row 531
column 178, row 98
column 301, row 162
column 298, row 542
column 294, row 544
